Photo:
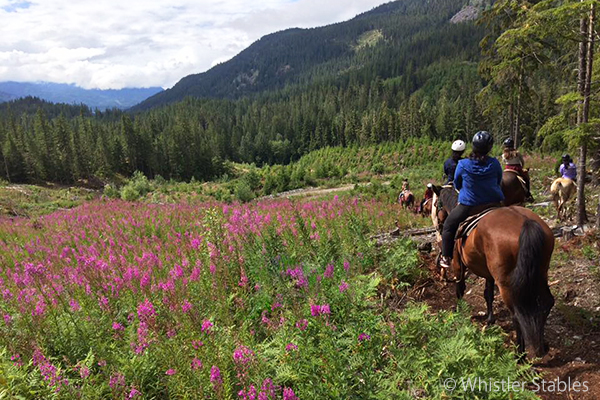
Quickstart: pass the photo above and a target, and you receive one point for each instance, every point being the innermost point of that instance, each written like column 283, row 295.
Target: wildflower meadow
column 277, row 299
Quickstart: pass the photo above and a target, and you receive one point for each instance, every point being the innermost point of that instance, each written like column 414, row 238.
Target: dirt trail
column 313, row 192
column 572, row 330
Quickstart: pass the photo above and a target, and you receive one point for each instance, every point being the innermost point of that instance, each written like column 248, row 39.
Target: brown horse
column 511, row 247
column 562, row 189
column 426, row 209
column 514, row 192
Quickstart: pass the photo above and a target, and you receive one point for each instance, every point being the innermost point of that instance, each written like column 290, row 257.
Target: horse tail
column 556, row 186
column 532, row 242
column 531, row 294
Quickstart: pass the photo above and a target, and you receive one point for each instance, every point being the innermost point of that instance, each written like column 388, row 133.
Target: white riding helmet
column 459, row 145
column 430, row 186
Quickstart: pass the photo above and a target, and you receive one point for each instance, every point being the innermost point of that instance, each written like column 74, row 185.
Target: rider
column 568, row 169
column 514, row 162
column 458, row 148
column 405, row 193
column 478, row 178
column 428, row 196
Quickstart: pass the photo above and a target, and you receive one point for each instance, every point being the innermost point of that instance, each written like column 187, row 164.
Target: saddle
column 468, row 225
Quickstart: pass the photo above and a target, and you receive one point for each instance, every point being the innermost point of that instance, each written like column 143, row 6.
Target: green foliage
column 138, row 186
column 243, row 192
column 402, row 262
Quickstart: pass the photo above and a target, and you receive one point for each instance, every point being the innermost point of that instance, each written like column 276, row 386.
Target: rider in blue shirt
column 478, row 179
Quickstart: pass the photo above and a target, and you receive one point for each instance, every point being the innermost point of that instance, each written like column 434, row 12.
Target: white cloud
column 140, row 43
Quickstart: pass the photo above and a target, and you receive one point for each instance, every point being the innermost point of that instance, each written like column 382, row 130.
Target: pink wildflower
column 117, row 326
column 343, row 286
column 146, row 311
column 363, row 337
column 302, row 324
column 206, row 326
column 291, row 346
column 215, row 376
column 346, row 266
column 133, row 393
column 84, row 372
column 170, row 372
column 116, row 380
column 315, row 310
column 329, row 271
column 288, row 394
column 196, row 363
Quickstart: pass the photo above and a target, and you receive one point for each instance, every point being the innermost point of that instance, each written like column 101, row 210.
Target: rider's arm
column 521, row 159
column 458, row 177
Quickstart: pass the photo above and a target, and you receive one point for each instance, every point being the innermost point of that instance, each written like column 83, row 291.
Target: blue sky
column 111, row 44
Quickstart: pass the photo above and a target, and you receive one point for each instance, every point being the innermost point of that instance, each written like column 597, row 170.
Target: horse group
column 510, row 247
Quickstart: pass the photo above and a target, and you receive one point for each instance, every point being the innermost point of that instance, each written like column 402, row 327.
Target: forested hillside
column 395, row 39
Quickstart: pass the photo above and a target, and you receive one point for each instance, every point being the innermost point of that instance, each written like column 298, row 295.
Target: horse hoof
column 491, row 321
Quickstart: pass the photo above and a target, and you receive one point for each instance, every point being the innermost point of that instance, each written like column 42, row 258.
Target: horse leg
column 461, row 286
column 489, row 299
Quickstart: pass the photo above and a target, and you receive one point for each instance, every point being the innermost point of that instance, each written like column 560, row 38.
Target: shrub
column 243, row 192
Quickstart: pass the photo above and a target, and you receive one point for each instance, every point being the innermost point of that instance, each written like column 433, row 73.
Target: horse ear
column 437, row 189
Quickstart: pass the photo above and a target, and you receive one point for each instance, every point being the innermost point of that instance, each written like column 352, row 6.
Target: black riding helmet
column 482, row 142
column 509, row 143
column 566, row 158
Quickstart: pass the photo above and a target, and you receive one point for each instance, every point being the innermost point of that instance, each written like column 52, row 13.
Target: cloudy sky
column 111, row 44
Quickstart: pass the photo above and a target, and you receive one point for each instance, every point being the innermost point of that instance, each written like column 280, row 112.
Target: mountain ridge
column 72, row 94
column 301, row 55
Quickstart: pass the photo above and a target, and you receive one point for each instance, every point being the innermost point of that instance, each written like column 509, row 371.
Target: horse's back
column 493, row 247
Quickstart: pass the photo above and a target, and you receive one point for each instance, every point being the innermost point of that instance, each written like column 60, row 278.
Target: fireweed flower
column 116, row 380
column 329, row 271
column 363, row 337
column 315, row 310
column 196, row 363
column 146, row 311
column 133, row 393
column 170, row 372
column 302, row 324
column 346, row 266
column 343, row 286
column 288, row 394
column 215, row 376
column 84, row 372
column 206, row 326
column 243, row 355
column 291, row 346
column 117, row 326
column 74, row 305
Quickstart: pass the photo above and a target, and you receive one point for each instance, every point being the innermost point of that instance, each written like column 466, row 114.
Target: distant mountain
column 71, row 94
column 383, row 42
column 6, row 97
